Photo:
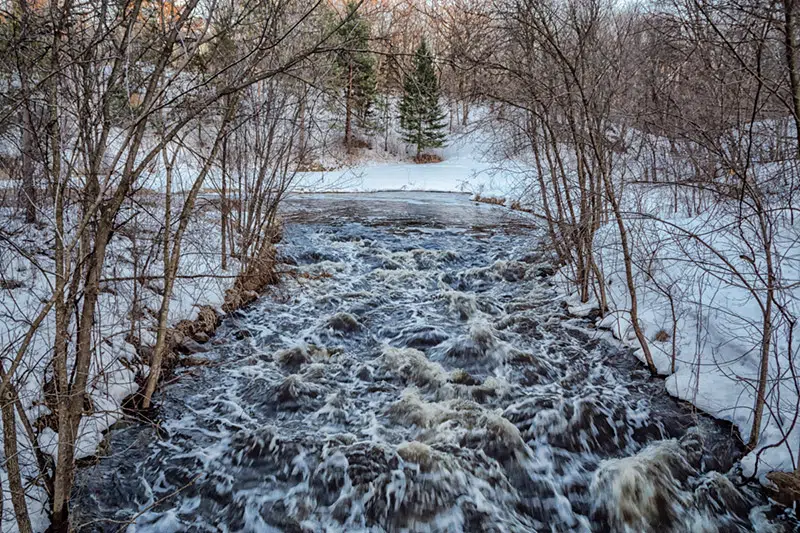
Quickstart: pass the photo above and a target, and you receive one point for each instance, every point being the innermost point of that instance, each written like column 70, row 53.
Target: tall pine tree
column 357, row 69
column 421, row 118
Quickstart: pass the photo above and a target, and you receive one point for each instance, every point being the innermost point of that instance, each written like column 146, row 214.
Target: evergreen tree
column 356, row 68
column 421, row 117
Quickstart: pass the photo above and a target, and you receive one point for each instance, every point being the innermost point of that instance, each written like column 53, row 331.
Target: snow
column 717, row 322
column 115, row 365
column 468, row 164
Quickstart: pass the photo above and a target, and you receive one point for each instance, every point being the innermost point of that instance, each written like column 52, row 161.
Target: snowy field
column 469, row 165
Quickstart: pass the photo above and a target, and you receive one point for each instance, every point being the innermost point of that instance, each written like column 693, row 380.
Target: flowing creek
column 417, row 372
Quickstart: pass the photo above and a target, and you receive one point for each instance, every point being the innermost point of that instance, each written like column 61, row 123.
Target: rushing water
column 417, row 372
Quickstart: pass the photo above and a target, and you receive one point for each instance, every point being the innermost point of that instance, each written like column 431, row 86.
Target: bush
column 427, row 158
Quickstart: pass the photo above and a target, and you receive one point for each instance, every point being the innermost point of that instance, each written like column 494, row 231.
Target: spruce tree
column 356, row 68
column 421, row 117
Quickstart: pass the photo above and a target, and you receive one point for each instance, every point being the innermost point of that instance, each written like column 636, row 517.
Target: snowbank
column 133, row 253
column 692, row 304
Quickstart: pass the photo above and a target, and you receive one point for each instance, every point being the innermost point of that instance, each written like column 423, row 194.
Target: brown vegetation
column 360, row 144
column 661, row 336
column 489, row 200
column 424, row 159
column 786, row 489
column 313, row 166
column 259, row 274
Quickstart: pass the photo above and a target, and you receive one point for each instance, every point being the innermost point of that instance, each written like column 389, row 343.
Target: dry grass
column 259, row 273
column 356, row 144
column 424, row 159
column 787, row 487
column 10, row 284
column 493, row 200
column 516, row 205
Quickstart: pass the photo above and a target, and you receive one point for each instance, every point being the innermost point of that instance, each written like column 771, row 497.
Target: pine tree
column 357, row 69
column 421, row 117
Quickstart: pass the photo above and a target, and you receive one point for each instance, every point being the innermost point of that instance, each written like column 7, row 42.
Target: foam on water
column 428, row 381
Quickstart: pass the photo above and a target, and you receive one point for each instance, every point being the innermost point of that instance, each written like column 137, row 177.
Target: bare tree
column 123, row 84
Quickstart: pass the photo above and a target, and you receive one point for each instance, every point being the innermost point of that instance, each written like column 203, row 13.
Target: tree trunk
column 623, row 237
column 348, row 109
column 551, row 222
column 172, row 261
column 301, row 118
column 766, row 337
column 386, row 124
column 223, row 207
column 790, row 46
column 28, row 183
column 62, row 483
column 12, row 463
column 158, row 350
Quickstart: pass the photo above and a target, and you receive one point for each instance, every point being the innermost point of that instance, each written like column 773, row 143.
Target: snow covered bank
column 131, row 289
column 700, row 294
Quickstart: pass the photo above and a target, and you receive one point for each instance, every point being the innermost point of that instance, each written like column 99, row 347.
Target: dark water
column 416, row 372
